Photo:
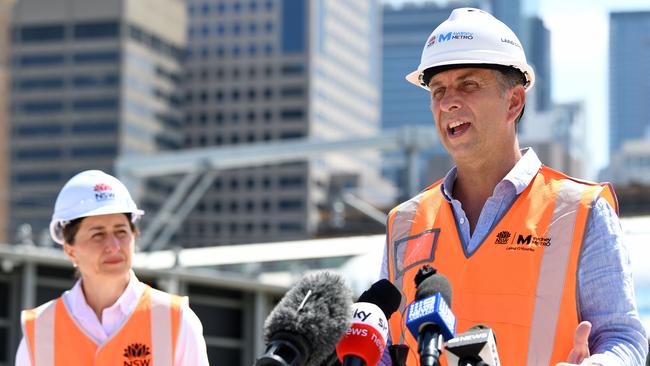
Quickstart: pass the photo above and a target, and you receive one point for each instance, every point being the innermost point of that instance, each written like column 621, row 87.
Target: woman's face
column 103, row 246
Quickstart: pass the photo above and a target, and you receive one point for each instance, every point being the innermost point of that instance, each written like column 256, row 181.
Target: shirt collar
column 519, row 176
column 126, row 301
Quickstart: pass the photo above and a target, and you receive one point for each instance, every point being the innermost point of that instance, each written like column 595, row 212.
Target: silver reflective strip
column 44, row 335
column 161, row 328
column 554, row 266
column 401, row 228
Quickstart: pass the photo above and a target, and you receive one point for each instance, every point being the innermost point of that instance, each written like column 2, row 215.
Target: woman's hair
column 70, row 230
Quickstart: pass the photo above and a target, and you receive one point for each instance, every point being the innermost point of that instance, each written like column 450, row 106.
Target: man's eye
column 470, row 85
column 438, row 93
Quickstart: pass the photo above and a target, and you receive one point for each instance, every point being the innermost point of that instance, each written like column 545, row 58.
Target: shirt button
column 462, row 220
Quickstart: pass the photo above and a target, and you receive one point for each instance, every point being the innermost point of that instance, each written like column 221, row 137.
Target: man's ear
column 517, row 102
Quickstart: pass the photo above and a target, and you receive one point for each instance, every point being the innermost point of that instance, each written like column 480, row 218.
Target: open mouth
column 457, row 128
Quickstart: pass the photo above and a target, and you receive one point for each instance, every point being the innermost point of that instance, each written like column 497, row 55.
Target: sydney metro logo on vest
column 137, row 354
column 521, row 241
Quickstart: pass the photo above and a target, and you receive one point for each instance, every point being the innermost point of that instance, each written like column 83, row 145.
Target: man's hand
column 580, row 353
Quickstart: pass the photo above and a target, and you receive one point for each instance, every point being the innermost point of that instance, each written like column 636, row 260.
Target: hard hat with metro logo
column 472, row 37
column 90, row 193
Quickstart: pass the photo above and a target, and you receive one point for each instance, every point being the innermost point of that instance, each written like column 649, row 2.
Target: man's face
column 473, row 115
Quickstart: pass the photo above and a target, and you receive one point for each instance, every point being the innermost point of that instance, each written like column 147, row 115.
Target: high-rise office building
column 629, row 78
column 262, row 71
column 538, row 53
column 92, row 79
column 5, row 21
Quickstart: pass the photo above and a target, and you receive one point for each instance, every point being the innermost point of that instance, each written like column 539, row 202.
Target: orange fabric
column 508, row 307
column 131, row 345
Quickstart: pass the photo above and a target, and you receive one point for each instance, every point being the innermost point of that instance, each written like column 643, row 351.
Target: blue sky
column 579, row 38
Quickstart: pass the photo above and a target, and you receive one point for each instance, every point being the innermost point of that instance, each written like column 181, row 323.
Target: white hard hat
column 90, row 193
column 472, row 37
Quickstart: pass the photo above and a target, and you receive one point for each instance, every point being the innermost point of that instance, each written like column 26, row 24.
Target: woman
column 109, row 317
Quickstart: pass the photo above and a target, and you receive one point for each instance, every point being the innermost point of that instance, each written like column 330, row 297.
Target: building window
column 45, row 83
column 290, row 205
column 293, row 69
column 293, row 32
column 289, row 135
column 96, row 57
column 38, row 154
column 291, row 182
column 41, row 60
column 94, row 151
column 38, row 107
column 40, row 177
column 94, row 104
column 94, row 127
column 292, row 114
column 96, row 30
column 293, row 227
column 292, row 92
column 50, row 129
column 42, row 33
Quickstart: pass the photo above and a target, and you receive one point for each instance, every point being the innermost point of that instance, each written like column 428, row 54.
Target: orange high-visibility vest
column 147, row 338
column 521, row 281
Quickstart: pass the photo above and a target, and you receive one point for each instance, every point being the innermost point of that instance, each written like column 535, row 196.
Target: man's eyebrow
column 461, row 77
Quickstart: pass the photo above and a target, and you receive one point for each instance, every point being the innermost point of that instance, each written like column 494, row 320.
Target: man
column 534, row 254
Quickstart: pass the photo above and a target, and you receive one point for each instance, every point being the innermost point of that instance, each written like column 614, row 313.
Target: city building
column 538, row 52
column 629, row 78
column 265, row 71
column 92, row 80
column 5, row 22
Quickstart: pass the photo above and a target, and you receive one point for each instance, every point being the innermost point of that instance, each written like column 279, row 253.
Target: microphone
column 476, row 347
column 429, row 318
column 304, row 327
column 365, row 340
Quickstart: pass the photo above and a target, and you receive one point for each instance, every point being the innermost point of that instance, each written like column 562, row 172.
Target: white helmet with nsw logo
column 90, row 193
column 472, row 37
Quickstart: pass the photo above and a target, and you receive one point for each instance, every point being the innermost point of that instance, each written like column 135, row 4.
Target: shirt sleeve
column 190, row 347
column 22, row 355
column 606, row 292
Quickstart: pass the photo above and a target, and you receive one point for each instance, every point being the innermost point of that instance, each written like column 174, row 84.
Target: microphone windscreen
column 317, row 309
column 383, row 294
column 433, row 284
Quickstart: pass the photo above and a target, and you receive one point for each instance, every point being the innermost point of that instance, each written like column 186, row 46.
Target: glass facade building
column 629, row 78
column 265, row 71
column 88, row 86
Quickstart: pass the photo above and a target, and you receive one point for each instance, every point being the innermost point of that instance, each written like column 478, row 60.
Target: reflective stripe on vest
column 40, row 329
column 554, row 209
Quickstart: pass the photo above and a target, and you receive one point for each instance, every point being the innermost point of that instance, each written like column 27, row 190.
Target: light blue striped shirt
column 605, row 287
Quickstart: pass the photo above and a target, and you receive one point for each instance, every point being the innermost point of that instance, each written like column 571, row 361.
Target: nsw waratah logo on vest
column 137, row 354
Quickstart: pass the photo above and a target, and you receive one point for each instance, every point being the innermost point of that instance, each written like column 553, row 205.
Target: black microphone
column 365, row 340
column 476, row 347
column 305, row 326
column 429, row 318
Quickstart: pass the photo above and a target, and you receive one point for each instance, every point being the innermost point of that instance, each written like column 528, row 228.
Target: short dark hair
column 70, row 230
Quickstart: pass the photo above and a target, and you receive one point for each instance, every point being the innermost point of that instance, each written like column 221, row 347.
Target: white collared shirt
column 190, row 347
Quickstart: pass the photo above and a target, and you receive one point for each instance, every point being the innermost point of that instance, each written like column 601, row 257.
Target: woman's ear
column 69, row 251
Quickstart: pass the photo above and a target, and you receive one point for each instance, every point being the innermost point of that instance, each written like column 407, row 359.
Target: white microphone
column 476, row 347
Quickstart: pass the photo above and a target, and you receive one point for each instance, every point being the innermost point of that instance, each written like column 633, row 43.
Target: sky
column 579, row 59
